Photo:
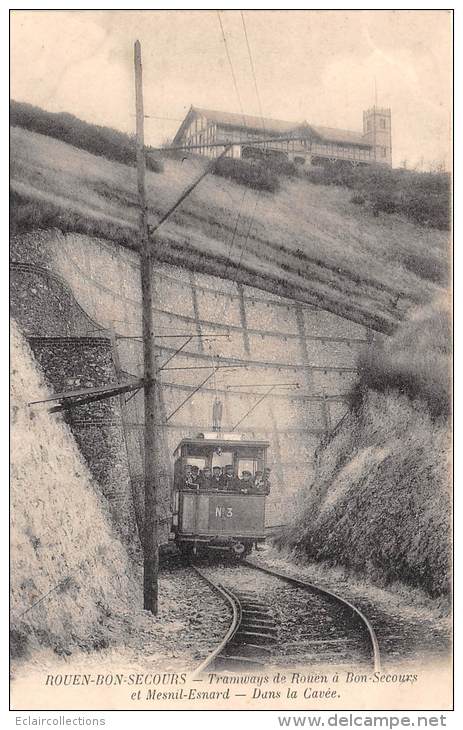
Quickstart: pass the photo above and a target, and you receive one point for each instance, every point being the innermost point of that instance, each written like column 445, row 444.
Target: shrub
column 282, row 166
column 27, row 214
column 102, row 141
column 256, row 175
column 427, row 266
column 424, row 197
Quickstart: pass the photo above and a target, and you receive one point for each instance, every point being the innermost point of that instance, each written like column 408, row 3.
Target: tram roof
column 222, row 439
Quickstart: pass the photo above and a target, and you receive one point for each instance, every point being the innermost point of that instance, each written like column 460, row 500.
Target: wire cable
column 231, row 69
column 252, row 69
column 245, row 244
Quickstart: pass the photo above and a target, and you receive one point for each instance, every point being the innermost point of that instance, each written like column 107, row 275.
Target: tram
column 221, row 481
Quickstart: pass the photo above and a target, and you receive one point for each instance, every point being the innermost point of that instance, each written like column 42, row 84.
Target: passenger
column 229, row 481
column 259, row 485
column 267, row 472
column 205, row 482
column 216, row 477
column 192, row 477
column 246, row 484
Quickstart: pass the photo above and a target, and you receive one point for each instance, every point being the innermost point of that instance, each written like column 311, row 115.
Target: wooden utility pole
column 150, row 385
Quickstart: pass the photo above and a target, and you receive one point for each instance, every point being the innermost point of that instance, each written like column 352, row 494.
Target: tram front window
column 222, row 458
column 192, row 470
column 246, row 465
column 196, row 461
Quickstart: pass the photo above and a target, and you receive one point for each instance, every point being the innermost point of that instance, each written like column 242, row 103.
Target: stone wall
column 271, row 340
column 71, row 363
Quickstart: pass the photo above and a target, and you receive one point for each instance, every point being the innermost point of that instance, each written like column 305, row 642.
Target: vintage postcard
column 230, row 270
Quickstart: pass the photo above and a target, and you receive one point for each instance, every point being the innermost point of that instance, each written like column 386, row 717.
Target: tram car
column 220, row 486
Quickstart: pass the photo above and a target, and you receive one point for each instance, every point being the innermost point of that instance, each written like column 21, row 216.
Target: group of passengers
column 226, row 481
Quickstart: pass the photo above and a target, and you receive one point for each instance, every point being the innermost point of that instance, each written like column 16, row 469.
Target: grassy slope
column 380, row 503
column 308, row 242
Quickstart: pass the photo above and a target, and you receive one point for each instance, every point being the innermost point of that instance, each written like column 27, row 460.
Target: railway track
column 278, row 620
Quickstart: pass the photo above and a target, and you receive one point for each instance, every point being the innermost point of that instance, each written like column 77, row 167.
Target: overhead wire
column 231, row 68
column 251, row 221
column 252, row 69
column 244, row 246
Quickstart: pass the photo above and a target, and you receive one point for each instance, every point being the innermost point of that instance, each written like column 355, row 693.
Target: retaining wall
column 277, row 340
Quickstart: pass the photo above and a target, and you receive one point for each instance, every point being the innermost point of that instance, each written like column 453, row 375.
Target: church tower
column 377, row 132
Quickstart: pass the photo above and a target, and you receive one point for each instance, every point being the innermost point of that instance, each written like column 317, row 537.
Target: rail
column 325, row 591
column 238, row 629
column 234, row 625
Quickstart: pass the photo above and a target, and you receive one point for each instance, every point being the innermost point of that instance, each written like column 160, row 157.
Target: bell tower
column 377, row 133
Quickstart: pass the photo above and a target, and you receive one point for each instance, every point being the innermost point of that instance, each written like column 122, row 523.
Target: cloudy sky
column 318, row 66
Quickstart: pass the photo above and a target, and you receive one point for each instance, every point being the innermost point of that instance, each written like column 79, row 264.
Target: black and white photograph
column 231, row 360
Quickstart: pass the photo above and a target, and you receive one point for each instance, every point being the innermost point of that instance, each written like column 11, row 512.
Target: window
column 246, row 465
column 196, row 461
column 369, row 125
column 383, row 151
column 382, row 124
column 221, row 458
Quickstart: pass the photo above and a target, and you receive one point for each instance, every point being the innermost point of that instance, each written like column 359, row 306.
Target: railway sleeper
column 248, row 606
column 264, row 612
column 255, row 621
column 259, row 628
column 246, row 594
column 253, row 637
column 247, row 650
column 236, row 662
column 248, row 597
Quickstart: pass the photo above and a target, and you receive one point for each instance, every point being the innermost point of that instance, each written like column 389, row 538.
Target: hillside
column 380, row 502
column 306, row 241
column 79, row 565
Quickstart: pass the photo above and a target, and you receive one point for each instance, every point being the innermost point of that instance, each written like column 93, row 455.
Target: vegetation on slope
column 380, row 503
column 102, row 141
column 414, row 362
column 257, row 174
column 305, row 241
column 423, row 197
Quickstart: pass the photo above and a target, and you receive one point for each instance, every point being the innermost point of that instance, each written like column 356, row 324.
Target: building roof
column 272, row 126
column 340, row 135
column 247, row 121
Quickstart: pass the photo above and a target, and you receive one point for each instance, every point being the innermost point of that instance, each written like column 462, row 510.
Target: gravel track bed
column 192, row 619
column 311, row 629
column 406, row 631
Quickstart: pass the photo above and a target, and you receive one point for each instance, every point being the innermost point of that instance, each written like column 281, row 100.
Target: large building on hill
column 302, row 142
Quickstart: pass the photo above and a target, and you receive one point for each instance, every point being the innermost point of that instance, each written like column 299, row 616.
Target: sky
column 314, row 66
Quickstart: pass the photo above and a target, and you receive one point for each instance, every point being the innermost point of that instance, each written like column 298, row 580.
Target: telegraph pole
column 150, row 385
